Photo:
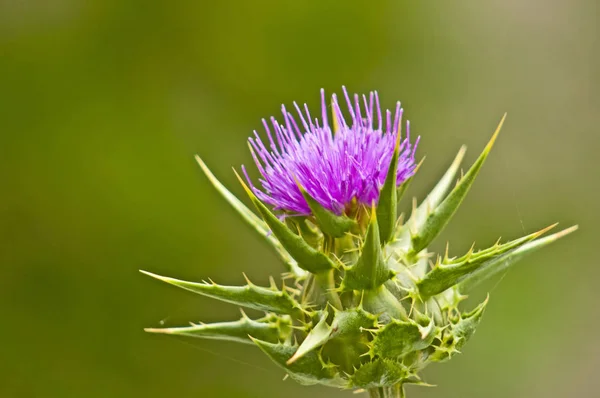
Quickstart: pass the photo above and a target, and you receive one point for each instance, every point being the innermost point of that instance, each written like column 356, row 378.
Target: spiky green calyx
column 367, row 308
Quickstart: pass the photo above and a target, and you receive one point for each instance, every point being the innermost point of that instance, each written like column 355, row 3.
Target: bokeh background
column 104, row 103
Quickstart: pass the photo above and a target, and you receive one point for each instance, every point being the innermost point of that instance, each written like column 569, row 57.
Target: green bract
column 366, row 309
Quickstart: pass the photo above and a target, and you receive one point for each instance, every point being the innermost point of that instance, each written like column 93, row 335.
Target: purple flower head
column 336, row 165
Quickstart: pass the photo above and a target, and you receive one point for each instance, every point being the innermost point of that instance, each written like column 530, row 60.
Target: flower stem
column 396, row 391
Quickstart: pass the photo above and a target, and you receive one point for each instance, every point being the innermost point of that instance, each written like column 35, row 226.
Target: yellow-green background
column 104, row 103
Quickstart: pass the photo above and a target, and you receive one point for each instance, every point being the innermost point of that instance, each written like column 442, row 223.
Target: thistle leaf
column 254, row 221
column 330, row 223
column 370, row 270
column 350, row 323
column 502, row 263
column 436, row 195
column 399, row 338
column 307, row 257
column 449, row 272
column 249, row 296
column 387, row 207
column 379, row 373
column 270, row 328
column 455, row 337
column 441, row 215
column 307, row 370
column 315, row 338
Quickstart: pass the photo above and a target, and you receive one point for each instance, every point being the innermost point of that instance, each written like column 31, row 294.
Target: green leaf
column 383, row 303
column 307, row 257
column 307, row 370
column 502, row 263
column 249, row 296
column 399, row 338
column 457, row 335
column 315, row 338
column 451, row 271
column 330, row 223
column 387, row 207
column 379, row 373
column 270, row 328
column 255, row 222
column 370, row 270
column 439, row 216
column 351, row 322
column 436, row 195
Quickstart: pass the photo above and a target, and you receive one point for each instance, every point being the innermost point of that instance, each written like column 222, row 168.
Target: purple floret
column 333, row 167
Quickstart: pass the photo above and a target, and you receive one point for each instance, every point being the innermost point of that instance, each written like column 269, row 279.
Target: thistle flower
column 367, row 308
column 338, row 167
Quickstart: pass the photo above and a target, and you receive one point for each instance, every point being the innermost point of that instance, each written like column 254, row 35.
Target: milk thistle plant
column 363, row 304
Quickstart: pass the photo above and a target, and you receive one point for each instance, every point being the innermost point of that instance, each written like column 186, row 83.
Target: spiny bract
column 364, row 305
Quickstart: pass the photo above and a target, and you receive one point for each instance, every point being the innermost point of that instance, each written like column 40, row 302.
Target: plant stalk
column 396, row 391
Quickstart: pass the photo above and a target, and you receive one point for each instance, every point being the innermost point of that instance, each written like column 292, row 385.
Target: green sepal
column 308, row 258
column 271, row 328
column 331, row 224
column 383, row 303
column 459, row 332
column 449, row 272
column 315, row 338
column 349, row 323
column 399, row 338
column 435, row 197
column 380, row 372
column 439, row 216
column 307, row 370
column 254, row 221
column 502, row 263
column 370, row 270
column 249, row 296
column 349, row 339
column 387, row 206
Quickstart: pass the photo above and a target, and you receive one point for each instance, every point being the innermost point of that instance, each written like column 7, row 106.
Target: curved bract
column 365, row 304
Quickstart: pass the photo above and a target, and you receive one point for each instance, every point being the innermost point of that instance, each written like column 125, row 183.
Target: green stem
column 396, row 391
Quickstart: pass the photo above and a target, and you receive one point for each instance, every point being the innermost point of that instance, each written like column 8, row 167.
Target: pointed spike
column 388, row 197
column 370, row 270
column 437, row 194
column 454, row 271
column 330, row 223
column 237, row 331
column 504, row 262
column 307, row 257
column 251, row 219
column 437, row 220
column 315, row 338
column 251, row 296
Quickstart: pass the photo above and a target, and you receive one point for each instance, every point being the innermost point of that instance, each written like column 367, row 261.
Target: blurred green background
column 103, row 104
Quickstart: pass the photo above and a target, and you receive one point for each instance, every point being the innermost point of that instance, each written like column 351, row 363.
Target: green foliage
column 370, row 271
column 308, row 370
column 249, row 296
column 398, row 338
column 271, row 328
column 449, row 272
column 364, row 309
column 388, row 196
column 380, row 373
column 307, row 257
column 440, row 215
column 329, row 223
column 256, row 223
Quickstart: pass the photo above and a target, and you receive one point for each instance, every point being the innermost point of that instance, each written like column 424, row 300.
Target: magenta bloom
column 334, row 165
